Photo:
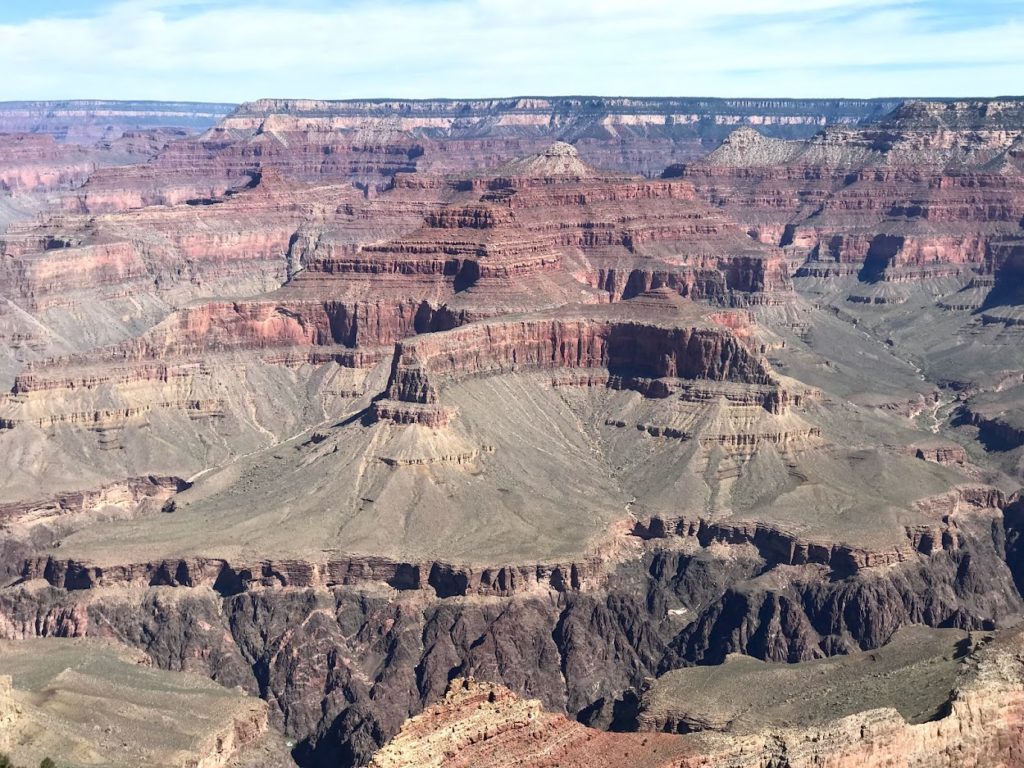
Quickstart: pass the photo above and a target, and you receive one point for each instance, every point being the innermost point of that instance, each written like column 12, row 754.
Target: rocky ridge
column 485, row 722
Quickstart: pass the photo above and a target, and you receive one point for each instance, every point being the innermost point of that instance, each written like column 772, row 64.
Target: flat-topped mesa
column 635, row 355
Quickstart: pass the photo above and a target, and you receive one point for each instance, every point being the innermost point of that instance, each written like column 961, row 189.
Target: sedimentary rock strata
column 339, row 402
column 485, row 723
column 927, row 192
column 367, row 142
column 632, row 134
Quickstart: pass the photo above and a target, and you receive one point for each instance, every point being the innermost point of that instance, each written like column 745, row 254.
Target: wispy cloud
column 197, row 49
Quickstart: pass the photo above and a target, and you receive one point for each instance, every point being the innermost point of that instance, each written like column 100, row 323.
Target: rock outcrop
column 482, row 723
column 979, row 724
column 638, row 135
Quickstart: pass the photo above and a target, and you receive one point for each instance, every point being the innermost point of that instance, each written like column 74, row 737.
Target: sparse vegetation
column 6, row 762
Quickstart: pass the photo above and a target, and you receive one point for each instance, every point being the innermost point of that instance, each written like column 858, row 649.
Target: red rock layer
column 233, row 245
column 365, row 143
column 619, row 235
column 486, row 724
column 924, row 193
column 425, row 365
column 31, row 163
column 210, row 166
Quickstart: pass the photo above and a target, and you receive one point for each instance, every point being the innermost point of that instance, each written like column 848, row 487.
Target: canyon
column 665, row 432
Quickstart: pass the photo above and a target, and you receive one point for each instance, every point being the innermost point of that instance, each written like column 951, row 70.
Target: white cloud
column 188, row 49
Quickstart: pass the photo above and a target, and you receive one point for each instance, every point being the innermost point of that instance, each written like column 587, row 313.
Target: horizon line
column 423, row 100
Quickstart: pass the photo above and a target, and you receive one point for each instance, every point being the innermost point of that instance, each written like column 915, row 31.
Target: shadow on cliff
column 1013, row 529
column 881, row 256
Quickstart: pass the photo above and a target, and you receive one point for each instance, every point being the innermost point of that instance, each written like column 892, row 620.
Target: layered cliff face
column 534, row 235
column 909, row 227
column 340, row 402
column 37, row 163
column 581, row 644
column 48, row 150
column 650, row 494
column 926, row 192
column 480, row 723
column 367, row 142
column 94, row 280
column 637, row 135
column 531, row 230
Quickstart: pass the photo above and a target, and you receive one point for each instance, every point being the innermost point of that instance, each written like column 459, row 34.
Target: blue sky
column 237, row 50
